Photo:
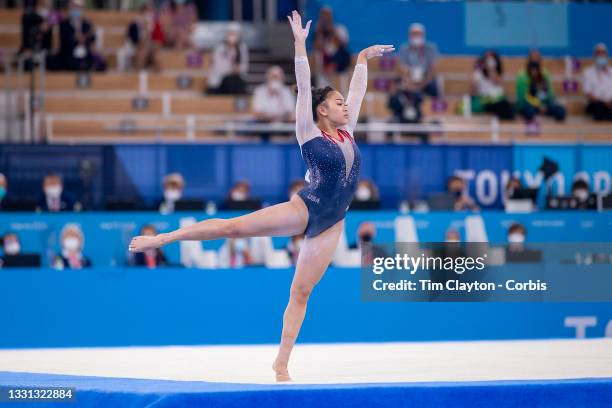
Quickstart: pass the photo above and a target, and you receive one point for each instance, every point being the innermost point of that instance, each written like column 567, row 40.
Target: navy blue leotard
column 330, row 190
column 333, row 163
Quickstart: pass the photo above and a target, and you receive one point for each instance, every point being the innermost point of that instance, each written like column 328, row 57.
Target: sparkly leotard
column 333, row 165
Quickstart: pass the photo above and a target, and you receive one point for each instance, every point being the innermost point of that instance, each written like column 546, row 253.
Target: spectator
column 143, row 39
column 36, row 28
column 174, row 185
column 77, row 39
column 366, row 191
column 330, row 47
column 511, row 186
column 516, row 237
column 273, row 101
column 597, row 84
column 178, row 17
column 366, row 232
column 534, row 91
column 452, row 235
column 151, row 258
column 456, row 186
column 54, row 198
column 580, row 190
column 296, row 185
column 488, row 93
column 11, row 244
column 235, row 253
column 71, row 256
column 230, row 62
column 417, row 63
column 293, row 247
column 405, row 106
column 241, row 191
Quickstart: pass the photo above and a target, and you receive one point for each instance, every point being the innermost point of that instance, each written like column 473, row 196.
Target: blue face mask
column 601, row 61
column 75, row 13
column 2, row 192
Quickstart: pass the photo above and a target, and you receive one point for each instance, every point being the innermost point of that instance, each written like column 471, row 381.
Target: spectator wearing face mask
column 330, row 48
column 456, row 186
column 241, row 191
column 143, row 38
column 235, row 253
column 405, row 106
column 239, row 198
column 366, row 233
column 534, row 91
column 77, row 39
column 293, row 247
column 13, row 253
column 517, row 251
column 597, row 85
column 151, row 258
column 179, row 17
column 71, row 256
column 230, row 63
column 417, row 63
column 174, row 185
column 488, row 93
column 580, row 190
column 11, row 244
column 54, row 198
column 273, row 101
column 36, row 28
column 366, row 196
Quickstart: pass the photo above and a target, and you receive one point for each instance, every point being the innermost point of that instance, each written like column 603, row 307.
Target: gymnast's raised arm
column 359, row 81
column 305, row 128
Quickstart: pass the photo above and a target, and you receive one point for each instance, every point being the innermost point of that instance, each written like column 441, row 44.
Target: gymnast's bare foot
column 143, row 242
column 282, row 374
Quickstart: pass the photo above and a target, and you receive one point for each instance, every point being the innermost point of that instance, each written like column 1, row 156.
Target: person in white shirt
column 230, row 63
column 597, row 85
column 273, row 101
column 488, row 94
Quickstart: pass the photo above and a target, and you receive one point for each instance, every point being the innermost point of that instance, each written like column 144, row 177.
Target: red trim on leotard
column 341, row 132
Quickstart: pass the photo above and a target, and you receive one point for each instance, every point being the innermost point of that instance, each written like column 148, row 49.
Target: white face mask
column 417, row 41
column 275, row 85
column 53, row 191
column 172, row 194
column 581, row 195
column 71, row 244
column 452, row 240
column 239, row 195
column 12, row 248
column 363, row 193
column 491, row 63
column 516, row 238
column 43, row 12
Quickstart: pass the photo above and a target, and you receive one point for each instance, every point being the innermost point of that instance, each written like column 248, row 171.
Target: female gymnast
column 324, row 127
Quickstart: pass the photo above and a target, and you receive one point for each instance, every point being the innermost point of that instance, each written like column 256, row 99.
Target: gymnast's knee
column 300, row 293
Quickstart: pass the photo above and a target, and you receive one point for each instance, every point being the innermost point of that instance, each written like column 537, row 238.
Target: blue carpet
column 124, row 392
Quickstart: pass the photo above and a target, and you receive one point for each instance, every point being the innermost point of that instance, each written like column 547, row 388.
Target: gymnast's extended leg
column 315, row 255
column 284, row 219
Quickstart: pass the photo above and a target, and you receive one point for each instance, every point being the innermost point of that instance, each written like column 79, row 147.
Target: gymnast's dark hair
column 318, row 96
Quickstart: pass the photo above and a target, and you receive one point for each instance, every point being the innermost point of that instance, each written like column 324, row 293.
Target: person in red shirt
column 151, row 258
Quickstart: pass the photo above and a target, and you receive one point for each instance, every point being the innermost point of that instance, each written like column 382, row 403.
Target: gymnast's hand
column 374, row 51
column 143, row 242
column 299, row 33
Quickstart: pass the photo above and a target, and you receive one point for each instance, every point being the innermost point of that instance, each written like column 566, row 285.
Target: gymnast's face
column 334, row 109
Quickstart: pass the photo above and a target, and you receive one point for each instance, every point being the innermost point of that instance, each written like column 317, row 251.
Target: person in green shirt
column 534, row 92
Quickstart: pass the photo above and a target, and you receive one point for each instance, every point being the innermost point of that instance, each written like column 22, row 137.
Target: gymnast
column 324, row 128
